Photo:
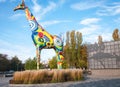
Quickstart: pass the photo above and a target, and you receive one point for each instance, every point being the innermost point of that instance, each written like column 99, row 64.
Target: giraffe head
column 20, row 6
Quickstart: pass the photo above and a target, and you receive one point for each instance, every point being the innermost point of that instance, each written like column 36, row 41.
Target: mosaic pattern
column 41, row 38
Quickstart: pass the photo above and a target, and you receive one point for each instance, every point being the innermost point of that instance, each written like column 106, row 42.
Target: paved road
column 89, row 82
column 4, row 81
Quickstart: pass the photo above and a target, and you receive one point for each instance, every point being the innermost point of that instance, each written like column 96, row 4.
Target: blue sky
column 90, row 17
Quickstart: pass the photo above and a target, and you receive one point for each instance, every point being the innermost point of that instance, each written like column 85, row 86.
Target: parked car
column 8, row 73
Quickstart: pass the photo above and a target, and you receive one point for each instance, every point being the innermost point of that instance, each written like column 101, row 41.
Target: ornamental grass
column 46, row 76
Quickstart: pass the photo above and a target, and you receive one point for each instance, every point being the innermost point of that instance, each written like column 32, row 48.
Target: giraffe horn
column 23, row 2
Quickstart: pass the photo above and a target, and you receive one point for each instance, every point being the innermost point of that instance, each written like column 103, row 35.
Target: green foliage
column 4, row 63
column 15, row 63
column 53, row 63
column 64, row 64
column 74, row 51
column 30, row 64
column 82, row 64
column 10, row 64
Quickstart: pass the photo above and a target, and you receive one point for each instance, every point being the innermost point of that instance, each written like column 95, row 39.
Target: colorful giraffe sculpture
column 41, row 38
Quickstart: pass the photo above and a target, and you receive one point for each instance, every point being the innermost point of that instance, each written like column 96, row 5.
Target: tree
column 31, row 64
column 100, row 39
column 84, row 56
column 16, row 64
column 4, row 63
column 82, row 64
column 67, row 53
column 53, row 63
column 10, row 64
column 79, row 42
column 78, row 49
column 65, row 64
column 115, row 35
column 72, row 49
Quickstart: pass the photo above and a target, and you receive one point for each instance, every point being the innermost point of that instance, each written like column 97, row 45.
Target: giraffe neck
column 32, row 20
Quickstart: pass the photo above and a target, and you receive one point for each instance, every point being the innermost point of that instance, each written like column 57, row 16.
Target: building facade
column 104, row 56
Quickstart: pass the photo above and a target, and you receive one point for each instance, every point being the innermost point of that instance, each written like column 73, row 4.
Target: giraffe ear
column 23, row 3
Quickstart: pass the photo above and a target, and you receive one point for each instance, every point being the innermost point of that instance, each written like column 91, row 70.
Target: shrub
column 47, row 76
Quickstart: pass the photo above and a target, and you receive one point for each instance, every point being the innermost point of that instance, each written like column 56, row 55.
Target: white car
column 8, row 74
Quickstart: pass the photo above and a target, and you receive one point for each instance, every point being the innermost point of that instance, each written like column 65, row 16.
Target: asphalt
column 89, row 81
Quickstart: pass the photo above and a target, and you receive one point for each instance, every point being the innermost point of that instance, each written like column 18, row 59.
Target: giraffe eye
column 21, row 5
column 57, row 41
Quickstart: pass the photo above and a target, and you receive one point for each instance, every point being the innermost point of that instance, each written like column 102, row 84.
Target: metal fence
column 104, row 56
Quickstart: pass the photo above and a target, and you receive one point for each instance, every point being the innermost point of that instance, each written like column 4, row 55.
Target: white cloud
column 91, row 26
column 6, row 0
column 106, row 36
column 117, row 20
column 36, row 6
column 90, row 29
column 50, row 7
column 40, row 11
column 112, row 9
column 94, row 37
column 105, row 8
column 84, row 5
column 90, row 21
column 89, row 39
column 61, row 2
column 12, row 0
column 23, row 52
column 47, row 23
column 2, row 0
column 16, row 16
column 91, row 33
column 52, row 22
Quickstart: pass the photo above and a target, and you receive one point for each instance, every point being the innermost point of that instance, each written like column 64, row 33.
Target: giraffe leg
column 38, row 58
column 59, row 60
column 58, row 46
